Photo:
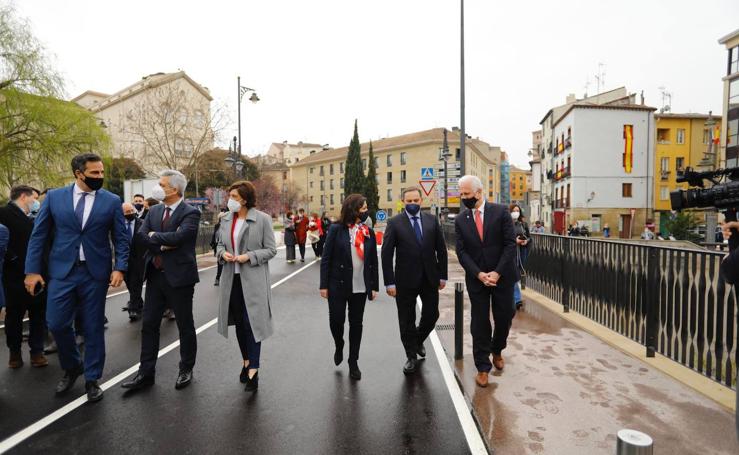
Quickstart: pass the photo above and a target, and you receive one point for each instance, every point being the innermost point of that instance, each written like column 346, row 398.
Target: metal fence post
column 652, row 301
column 632, row 442
column 564, row 270
column 458, row 320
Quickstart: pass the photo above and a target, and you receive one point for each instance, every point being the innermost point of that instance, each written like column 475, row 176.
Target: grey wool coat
column 258, row 241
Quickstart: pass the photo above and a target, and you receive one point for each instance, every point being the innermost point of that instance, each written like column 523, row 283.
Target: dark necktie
column 158, row 262
column 130, row 230
column 417, row 228
column 79, row 211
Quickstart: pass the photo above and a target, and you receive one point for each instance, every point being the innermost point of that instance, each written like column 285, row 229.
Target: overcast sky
column 393, row 64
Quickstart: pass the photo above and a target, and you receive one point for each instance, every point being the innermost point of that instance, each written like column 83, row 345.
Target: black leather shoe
column 94, row 392
column 421, row 350
column 354, row 372
column 410, row 366
column 244, row 376
column 139, row 382
column 252, row 384
column 67, row 382
column 183, row 380
column 134, row 315
column 217, row 282
column 339, row 354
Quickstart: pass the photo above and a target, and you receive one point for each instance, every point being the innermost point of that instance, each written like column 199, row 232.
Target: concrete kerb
column 722, row 395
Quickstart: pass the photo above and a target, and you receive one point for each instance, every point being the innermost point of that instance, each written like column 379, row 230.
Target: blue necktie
column 79, row 211
column 417, row 228
column 130, row 230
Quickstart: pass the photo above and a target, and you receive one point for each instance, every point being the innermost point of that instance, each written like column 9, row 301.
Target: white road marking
column 39, row 425
column 471, row 433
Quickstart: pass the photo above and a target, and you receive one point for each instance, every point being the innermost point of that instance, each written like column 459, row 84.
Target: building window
column 665, row 164
column 402, row 176
column 323, row 200
column 389, row 160
column 321, row 173
column 389, row 178
column 389, row 195
column 733, row 60
column 377, row 162
column 311, row 184
column 626, row 189
column 732, row 132
column 331, row 169
column 679, row 163
column 342, row 182
column 457, row 154
column 322, row 188
column 311, row 198
column 734, row 94
column 341, row 167
column 331, row 185
column 680, row 136
column 402, row 158
column 663, row 135
column 341, row 197
column 364, row 163
column 664, row 193
column 331, row 198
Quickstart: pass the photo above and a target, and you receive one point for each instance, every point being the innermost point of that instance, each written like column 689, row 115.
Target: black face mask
column 94, row 183
column 138, row 207
column 470, row 203
column 363, row 216
column 130, row 216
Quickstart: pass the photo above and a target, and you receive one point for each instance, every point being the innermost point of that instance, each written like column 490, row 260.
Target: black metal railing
column 670, row 300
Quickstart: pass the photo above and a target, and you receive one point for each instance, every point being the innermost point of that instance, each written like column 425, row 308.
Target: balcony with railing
column 562, row 173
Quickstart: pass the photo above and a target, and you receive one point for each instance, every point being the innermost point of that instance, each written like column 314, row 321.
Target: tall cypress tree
column 371, row 191
column 354, row 179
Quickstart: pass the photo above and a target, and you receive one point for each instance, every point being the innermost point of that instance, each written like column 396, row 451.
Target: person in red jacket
column 301, row 232
column 315, row 233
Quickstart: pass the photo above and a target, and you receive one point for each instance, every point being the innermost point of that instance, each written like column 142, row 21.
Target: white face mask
column 234, row 205
column 515, row 215
column 158, row 193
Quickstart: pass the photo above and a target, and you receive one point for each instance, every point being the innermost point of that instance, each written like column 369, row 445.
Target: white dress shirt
column 237, row 238
column 90, row 200
column 358, row 286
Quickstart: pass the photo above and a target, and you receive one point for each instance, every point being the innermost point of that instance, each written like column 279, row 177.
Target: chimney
column 571, row 98
column 642, row 97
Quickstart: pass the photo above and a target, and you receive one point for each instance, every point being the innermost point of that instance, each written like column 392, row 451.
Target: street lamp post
column 444, row 155
column 234, row 159
column 253, row 98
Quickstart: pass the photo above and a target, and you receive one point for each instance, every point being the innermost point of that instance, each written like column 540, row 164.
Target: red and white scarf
column 362, row 233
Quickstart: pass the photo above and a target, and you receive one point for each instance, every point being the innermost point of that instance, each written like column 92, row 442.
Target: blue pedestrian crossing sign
column 427, row 173
column 381, row 215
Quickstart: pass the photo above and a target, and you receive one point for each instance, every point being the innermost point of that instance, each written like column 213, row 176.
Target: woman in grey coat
column 245, row 246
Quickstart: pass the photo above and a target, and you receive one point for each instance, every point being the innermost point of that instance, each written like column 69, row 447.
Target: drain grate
column 444, row 326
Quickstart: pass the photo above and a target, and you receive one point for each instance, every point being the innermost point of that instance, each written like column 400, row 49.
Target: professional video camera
column 723, row 194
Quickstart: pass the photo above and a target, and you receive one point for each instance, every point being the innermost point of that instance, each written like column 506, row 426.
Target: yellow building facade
column 400, row 160
column 520, row 181
column 681, row 141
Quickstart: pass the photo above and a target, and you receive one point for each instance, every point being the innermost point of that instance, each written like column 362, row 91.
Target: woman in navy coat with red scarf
column 349, row 276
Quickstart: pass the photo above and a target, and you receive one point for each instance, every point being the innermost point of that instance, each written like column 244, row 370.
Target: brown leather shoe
column 498, row 362
column 15, row 361
column 482, row 378
column 39, row 360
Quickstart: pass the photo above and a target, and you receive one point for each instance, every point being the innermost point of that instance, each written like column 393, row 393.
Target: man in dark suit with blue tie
column 134, row 277
column 486, row 249
column 80, row 221
column 169, row 232
column 417, row 242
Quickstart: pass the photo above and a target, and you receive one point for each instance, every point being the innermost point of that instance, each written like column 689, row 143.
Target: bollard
column 632, row 442
column 458, row 320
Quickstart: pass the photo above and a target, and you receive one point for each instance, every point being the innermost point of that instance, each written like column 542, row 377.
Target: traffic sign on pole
column 427, row 185
column 427, row 173
column 381, row 215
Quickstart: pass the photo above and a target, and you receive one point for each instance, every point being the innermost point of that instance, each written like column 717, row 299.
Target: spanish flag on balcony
column 628, row 158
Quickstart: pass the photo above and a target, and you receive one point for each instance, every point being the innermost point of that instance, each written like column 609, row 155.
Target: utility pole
column 463, row 134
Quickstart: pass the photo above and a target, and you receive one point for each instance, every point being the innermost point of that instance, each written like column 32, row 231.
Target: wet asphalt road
column 304, row 404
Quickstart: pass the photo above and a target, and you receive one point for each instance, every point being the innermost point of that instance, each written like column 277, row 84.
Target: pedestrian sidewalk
column 565, row 391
